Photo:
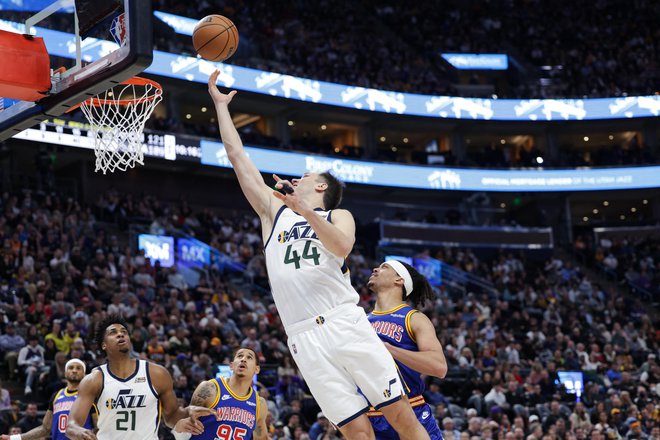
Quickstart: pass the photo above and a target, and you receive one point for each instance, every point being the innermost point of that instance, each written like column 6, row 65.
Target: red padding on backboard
column 25, row 72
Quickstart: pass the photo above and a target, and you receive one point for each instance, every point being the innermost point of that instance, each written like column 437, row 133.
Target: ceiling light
column 204, row 109
column 633, row 209
column 645, row 202
column 291, row 123
column 611, row 137
column 586, row 138
column 622, row 217
column 539, row 160
column 324, row 127
column 188, row 116
column 585, row 219
column 606, row 203
column 502, row 141
column 595, row 211
column 383, row 138
column 405, row 140
column 502, row 205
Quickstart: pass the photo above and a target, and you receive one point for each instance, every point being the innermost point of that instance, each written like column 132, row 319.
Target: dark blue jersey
column 393, row 327
column 60, row 405
column 238, row 415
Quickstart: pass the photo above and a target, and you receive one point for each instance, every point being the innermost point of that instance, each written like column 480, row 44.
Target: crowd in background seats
column 594, row 49
column 64, row 265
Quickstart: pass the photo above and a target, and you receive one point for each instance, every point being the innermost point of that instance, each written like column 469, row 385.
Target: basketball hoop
column 117, row 117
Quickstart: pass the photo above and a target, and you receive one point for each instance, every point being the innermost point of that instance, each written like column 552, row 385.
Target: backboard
column 81, row 49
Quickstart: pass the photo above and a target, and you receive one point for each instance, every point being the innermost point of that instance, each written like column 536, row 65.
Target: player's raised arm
column 337, row 236
column 252, row 184
column 88, row 391
column 430, row 359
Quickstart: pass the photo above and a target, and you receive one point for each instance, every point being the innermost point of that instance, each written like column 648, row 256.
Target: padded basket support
column 25, row 74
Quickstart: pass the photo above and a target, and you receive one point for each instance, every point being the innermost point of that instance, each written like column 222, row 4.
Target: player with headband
column 409, row 336
column 57, row 415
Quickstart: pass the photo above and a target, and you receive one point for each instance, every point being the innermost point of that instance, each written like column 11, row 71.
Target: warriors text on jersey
column 60, row 405
column 238, row 415
column 393, row 327
column 307, row 280
column 128, row 408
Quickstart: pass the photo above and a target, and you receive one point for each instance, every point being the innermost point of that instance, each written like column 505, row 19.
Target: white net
column 117, row 118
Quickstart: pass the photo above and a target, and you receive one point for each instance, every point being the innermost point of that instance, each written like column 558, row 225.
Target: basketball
column 215, row 38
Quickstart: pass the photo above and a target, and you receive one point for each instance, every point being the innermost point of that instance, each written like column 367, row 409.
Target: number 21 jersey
column 129, row 408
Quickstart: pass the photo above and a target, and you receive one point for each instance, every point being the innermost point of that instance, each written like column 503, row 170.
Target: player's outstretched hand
column 189, row 425
column 217, row 95
column 199, row 411
column 85, row 434
column 284, row 191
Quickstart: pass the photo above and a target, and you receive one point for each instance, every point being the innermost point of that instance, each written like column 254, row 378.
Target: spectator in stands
column 32, row 362
column 56, row 335
column 5, row 399
column 10, row 344
column 449, row 432
column 30, row 420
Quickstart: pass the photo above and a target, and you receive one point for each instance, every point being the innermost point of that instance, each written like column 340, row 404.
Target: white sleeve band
column 178, row 435
column 15, row 437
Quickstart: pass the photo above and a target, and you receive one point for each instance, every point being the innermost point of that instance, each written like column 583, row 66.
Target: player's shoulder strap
column 56, row 396
column 409, row 329
column 218, row 392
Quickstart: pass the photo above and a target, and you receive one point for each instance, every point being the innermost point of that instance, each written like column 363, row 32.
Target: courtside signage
column 444, row 179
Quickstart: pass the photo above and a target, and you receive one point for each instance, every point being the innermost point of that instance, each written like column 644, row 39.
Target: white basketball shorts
column 344, row 363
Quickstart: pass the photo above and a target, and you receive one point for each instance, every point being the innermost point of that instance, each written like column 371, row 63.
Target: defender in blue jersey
column 409, row 336
column 57, row 416
column 239, row 411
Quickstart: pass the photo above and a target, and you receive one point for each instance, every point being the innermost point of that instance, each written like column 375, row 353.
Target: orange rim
column 136, row 81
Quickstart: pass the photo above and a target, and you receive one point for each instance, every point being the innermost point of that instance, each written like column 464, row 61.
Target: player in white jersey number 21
column 305, row 242
column 131, row 394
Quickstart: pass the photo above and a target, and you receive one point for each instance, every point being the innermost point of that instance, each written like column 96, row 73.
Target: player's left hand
column 290, row 199
column 189, row 425
column 199, row 411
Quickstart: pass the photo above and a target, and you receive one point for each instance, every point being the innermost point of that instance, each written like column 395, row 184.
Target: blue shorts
column 425, row 416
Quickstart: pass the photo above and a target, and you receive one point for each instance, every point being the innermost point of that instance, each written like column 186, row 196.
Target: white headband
column 75, row 361
column 401, row 270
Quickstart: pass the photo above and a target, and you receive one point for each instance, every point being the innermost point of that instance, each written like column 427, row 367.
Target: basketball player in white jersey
column 131, row 394
column 306, row 241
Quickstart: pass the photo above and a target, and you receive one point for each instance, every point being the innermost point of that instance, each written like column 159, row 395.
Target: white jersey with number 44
column 306, row 279
column 128, row 408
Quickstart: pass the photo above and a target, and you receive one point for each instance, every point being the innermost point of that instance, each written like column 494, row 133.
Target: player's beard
column 73, row 380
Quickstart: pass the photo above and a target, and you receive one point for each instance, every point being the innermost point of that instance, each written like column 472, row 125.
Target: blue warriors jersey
column 393, row 327
column 238, row 415
column 60, row 405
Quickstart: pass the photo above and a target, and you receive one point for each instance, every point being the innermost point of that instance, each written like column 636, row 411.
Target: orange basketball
column 215, row 38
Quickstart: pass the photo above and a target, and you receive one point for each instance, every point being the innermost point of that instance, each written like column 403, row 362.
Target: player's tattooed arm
column 261, row 429
column 205, row 394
